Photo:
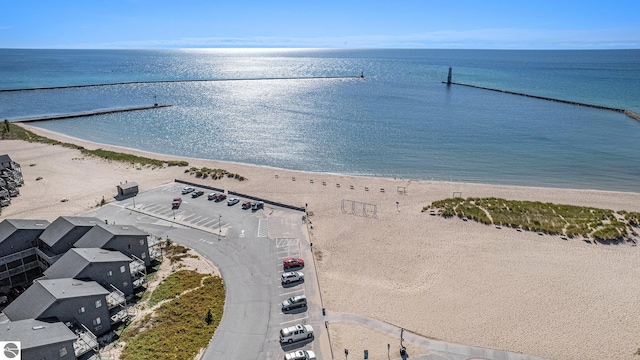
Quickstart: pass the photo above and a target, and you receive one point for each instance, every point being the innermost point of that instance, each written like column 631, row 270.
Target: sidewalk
column 440, row 350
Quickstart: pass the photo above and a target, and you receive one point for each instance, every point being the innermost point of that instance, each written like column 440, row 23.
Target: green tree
column 209, row 318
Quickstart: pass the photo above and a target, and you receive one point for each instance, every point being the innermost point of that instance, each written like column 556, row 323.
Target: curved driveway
column 249, row 256
column 248, row 247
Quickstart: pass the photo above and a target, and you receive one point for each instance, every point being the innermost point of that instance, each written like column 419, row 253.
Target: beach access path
column 439, row 350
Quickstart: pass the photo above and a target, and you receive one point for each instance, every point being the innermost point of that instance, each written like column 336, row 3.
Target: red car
column 176, row 202
column 292, row 263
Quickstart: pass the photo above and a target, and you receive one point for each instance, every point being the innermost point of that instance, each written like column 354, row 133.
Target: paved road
column 247, row 247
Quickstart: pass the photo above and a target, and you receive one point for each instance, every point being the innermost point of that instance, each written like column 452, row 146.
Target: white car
column 300, row 355
column 296, row 333
column 187, row 190
column 232, row 201
column 292, row 276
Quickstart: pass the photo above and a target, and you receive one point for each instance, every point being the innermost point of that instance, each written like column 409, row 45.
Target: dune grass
column 181, row 327
column 12, row 131
column 215, row 174
column 174, row 285
column 568, row 220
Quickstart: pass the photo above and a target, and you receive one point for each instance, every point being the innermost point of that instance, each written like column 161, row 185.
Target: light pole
column 219, row 226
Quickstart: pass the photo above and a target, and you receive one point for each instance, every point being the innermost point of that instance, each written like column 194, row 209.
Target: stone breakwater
column 629, row 113
column 361, row 76
column 89, row 113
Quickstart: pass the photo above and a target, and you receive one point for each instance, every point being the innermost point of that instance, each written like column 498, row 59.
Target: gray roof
column 9, row 226
column 72, row 288
column 101, row 234
column 43, row 293
column 62, row 225
column 4, row 159
column 128, row 185
column 74, row 261
column 35, row 333
column 30, row 304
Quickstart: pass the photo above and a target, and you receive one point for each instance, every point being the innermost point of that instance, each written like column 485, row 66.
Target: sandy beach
column 447, row 279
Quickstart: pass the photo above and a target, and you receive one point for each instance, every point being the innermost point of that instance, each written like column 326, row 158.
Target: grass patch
column 569, row 220
column 175, row 284
column 14, row 132
column 179, row 329
column 214, row 174
column 176, row 252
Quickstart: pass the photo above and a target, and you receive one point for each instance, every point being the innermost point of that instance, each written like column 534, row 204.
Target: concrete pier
column 361, row 76
column 89, row 113
column 629, row 113
column 543, row 97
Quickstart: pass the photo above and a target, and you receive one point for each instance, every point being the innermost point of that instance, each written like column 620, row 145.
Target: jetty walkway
column 89, row 113
column 629, row 113
column 361, row 76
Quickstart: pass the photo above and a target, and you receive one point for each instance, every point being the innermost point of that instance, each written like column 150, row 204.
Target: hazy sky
column 481, row 24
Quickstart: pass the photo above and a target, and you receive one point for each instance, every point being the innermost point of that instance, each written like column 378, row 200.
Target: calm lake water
column 399, row 121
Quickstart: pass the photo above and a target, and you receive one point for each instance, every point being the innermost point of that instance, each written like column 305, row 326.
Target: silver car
column 298, row 301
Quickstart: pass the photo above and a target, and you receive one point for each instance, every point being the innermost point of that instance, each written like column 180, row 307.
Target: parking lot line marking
column 203, row 221
column 263, row 227
column 209, row 223
column 292, row 292
column 296, row 320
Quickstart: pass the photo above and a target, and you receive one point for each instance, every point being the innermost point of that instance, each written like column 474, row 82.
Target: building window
column 81, row 310
column 109, row 273
column 122, row 268
column 144, row 255
column 129, row 246
column 98, row 303
column 141, row 241
column 125, row 284
column 97, row 321
column 63, row 352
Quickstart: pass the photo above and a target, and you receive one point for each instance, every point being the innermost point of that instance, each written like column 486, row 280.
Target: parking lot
column 248, row 247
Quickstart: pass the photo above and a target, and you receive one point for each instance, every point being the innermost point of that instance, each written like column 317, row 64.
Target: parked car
column 296, row 333
column 232, row 201
column 292, row 276
column 187, row 190
column 246, row 205
column 219, row 197
column 257, row 205
column 211, row 196
column 292, row 263
column 4, row 299
column 177, row 201
column 300, row 355
column 294, row 302
column 197, row 193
